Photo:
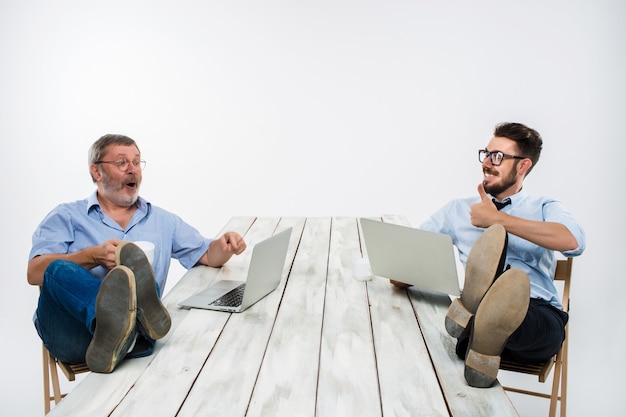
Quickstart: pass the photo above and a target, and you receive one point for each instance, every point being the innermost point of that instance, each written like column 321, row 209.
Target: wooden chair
column 558, row 362
column 51, row 377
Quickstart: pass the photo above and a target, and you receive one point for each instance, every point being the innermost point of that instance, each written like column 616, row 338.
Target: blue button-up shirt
column 539, row 263
column 71, row 227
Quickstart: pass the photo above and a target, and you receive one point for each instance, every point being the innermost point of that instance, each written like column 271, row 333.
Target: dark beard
column 506, row 183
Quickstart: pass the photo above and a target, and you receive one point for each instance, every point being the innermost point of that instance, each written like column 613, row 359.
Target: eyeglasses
column 123, row 164
column 496, row 156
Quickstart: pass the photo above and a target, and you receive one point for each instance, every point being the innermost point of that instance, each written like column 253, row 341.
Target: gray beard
column 113, row 193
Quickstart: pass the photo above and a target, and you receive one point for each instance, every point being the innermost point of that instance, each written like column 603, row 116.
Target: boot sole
column 115, row 321
column 501, row 312
column 484, row 263
column 152, row 314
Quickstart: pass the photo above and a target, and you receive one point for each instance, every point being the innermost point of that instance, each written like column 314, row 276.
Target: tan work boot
column 152, row 315
column 500, row 313
column 484, row 263
column 116, row 311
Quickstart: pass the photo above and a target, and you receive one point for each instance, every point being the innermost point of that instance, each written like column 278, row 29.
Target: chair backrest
column 564, row 273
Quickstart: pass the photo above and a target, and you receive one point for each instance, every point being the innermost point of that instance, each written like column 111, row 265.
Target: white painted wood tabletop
column 321, row 344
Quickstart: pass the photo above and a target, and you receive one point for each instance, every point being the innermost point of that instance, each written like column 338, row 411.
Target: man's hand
column 104, row 254
column 221, row 249
column 484, row 213
column 232, row 243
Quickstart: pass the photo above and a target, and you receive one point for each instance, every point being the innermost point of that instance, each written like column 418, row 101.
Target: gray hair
column 98, row 149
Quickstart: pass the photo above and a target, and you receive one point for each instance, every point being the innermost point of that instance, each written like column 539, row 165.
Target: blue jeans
column 66, row 312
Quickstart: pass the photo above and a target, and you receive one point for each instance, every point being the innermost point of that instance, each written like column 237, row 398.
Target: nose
column 487, row 162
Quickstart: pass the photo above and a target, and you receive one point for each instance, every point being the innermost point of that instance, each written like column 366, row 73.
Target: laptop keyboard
column 232, row 298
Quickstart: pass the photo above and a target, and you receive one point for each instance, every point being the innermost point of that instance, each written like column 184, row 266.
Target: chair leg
column 50, row 375
column 556, row 384
column 564, row 381
column 54, row 373
column 46, row 380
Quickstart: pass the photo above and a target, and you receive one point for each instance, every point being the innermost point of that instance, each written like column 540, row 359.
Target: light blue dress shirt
column 539, row 263
column 71, row 227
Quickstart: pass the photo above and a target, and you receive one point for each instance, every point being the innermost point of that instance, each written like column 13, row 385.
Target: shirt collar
column 143, row 205
column 516, row 198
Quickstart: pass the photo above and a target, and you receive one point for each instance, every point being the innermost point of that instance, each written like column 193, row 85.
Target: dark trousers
column 540, row 335
column 537, row 339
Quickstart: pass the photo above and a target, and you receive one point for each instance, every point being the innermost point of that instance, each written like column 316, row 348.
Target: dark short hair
column 528, row 140
column 98, row 149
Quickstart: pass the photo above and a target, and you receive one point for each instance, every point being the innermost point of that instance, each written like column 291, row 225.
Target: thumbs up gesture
column 483, row 213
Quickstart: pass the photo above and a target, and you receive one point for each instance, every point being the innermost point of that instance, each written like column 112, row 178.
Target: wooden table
column 321, row 344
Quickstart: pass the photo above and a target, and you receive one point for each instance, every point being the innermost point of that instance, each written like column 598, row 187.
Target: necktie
column 500, row 205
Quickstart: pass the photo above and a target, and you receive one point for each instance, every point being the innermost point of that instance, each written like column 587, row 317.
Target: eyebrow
column 121, row 155
column 497, row 150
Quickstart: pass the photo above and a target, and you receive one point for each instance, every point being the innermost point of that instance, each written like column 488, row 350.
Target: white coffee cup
column 361, row 269
column 148, row 249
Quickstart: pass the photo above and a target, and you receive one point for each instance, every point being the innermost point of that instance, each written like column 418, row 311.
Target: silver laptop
column 264, row 274
column 413, row 256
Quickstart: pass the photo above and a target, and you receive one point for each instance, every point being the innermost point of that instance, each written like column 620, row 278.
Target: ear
column 95, row 172
column 524, row 166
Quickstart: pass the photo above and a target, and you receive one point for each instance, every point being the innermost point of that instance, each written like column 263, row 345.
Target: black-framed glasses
column 123, row 164
column 496, row 156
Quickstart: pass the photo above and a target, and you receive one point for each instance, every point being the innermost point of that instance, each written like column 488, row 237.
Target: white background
column 316, row 108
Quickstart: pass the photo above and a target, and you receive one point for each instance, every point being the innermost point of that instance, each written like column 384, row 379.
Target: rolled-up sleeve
column 555, row 211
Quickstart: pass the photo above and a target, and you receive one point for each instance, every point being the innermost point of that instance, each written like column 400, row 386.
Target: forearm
column 216, row 260
column 549, row 235
column 37, row 266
